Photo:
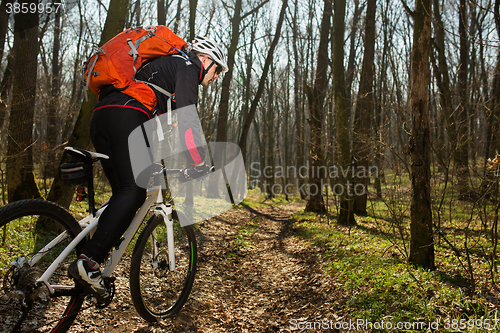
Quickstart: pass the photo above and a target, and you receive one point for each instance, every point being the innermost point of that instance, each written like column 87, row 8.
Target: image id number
column 40, row 8
column 464, row 324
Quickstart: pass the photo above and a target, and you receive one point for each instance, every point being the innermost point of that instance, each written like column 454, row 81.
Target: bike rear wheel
column 26, row 226
column 156, row 291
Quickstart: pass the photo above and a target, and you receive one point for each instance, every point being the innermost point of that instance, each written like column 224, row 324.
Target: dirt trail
column 262, row 285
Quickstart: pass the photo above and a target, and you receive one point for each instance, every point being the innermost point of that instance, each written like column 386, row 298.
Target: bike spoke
column 156, row 291
column 38, row 233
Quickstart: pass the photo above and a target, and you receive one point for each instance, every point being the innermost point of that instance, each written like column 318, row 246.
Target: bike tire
column 157, row 292
column 25, row 227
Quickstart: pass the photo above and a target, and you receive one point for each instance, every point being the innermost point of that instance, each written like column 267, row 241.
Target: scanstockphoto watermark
column 387, row 324
column 289, row 180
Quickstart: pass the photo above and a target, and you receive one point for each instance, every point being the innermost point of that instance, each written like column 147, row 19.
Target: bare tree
column 443, row 82
column 21, row 179
column 222, row 118
column 260, row 89
column 297, row 97
column 363, row 120
column 53, row 101
column 351, row 63
column 316, row 99
column 421, row 241
column 192, row 18
column 178, row 16
column 346, row 215
column 162, row 12
column 226, row 82
column 494, row 114
column 4, row 24
column 137, row 11
column 5, row 87
column 76, row 89
column 462, row 151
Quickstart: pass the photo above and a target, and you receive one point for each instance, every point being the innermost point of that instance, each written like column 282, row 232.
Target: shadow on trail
column 274, row 279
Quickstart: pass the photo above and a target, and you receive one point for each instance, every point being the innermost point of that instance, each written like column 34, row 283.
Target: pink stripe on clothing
column 191, row 146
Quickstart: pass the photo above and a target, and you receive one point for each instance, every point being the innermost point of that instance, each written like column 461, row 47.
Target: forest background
column 381, row 112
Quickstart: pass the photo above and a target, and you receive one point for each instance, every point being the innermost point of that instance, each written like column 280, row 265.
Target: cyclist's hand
column 196, row 171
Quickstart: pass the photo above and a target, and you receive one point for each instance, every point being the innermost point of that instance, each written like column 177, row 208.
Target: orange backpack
column 117, row 61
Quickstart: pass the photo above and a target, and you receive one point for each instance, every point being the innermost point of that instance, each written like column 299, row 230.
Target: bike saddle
column 77, row 152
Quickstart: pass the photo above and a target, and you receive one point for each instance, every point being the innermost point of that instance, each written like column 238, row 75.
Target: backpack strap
column 166, row 93
column 133, row 47
column 97, row 50
column 188, row 62
column 183, row 55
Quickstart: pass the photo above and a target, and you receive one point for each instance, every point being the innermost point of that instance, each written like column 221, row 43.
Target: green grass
column 255, row 199
column 18, row 238
column 371, row 268
column 244, row 234
column 243, row 239
column 369, row 261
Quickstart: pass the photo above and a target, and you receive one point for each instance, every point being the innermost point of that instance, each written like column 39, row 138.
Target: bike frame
column 154, row 201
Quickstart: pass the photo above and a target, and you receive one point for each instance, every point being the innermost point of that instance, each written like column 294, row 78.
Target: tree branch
column 407, row 9
column 255, row 9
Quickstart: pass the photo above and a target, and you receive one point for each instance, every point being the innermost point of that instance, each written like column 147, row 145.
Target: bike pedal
column 110, row 281
column 101, row 303
column 110, row 284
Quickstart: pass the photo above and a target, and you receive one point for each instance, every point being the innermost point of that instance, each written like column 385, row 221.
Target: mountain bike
column 39, row 239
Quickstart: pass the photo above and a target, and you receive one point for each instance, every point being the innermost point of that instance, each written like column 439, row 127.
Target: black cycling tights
column 109, row 131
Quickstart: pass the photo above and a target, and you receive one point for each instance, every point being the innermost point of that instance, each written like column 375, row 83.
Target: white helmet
column 209, row 47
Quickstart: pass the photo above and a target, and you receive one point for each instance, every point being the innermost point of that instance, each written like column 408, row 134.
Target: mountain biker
column 115, row 116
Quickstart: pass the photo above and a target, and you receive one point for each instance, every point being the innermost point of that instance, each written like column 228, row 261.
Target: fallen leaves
column 261, row 289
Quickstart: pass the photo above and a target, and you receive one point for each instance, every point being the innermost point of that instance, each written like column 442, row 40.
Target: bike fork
column 166, row 212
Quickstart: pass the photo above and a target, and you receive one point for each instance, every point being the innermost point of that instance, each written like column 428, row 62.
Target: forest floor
column 254, row 275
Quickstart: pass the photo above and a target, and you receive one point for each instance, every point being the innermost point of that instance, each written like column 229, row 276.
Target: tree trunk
column 162, row 13
column 224, row 99
column 5, row 88
column 316, row 99
column 178, row 16
column 361, row 144
column 351, row 64
column 248, row 74
column 493, row 141
column 137, row 11
column 421, row 237
column 443, row 81
column 297, row 98
column 52, row 128
column 253, row 107
column 192, row 18
column 20, row 176
column 76, row 88
column 462, row 152
column 346, row 214
column 381, row 99
column 287, row 112
column 270, row 135
column 4, row 25
column 115, row 21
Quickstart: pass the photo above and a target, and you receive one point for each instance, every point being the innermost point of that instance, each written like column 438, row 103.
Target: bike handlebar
column 172, row 171
column 165, row 171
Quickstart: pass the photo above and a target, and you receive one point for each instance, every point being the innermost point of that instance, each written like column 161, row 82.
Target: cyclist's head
column 206, row 46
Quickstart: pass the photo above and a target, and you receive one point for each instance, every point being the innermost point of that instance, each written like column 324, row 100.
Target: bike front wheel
column 158, row 292
column 32, row 235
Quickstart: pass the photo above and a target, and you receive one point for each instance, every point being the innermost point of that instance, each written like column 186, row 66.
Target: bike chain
column 110, row 284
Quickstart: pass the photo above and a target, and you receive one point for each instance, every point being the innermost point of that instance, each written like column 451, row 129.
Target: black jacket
column 180, row 77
